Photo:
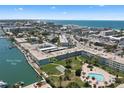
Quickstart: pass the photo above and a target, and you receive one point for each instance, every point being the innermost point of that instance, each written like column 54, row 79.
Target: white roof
column 63, row 39
column 49, row 46
column 117, row 38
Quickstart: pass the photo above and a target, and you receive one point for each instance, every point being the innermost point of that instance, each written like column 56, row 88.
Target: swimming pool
column 98, row 77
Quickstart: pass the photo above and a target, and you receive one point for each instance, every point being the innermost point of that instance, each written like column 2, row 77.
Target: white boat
column 3, row 84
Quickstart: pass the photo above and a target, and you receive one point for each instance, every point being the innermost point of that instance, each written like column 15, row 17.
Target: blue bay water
column 13, row 65
column 92, row 23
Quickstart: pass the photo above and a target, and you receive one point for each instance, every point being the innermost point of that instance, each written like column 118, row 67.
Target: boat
column 21, row 83
column 3, row 84
column 18, row 84
column 10, row 47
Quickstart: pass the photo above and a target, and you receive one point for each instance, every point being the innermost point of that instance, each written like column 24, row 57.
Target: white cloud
column 53, row 7
column 64, row 12
column 19, row 9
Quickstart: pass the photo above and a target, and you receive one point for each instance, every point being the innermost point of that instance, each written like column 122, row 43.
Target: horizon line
column 65, row 19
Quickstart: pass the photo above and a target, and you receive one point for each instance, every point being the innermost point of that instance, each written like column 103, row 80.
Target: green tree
column 86, row 61
column 68, row 63
column 53, row 59
column 78, row 72
column 73, row 85
column 111, row 86
column 49, row 81
column 60, row 81
column 95, row 60
column 87, row 85
column 67, row 74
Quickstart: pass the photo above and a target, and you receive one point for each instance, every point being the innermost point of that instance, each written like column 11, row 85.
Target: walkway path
column 30, row 61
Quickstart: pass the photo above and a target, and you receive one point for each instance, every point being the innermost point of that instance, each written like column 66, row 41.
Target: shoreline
column 28, row 59
column 31, row 64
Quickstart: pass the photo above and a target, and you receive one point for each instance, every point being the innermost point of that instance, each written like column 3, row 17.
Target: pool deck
column 107, row 77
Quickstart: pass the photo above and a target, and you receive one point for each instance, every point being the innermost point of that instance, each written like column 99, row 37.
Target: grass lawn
column 65, row 83
column 50, row 69
column 76, row 62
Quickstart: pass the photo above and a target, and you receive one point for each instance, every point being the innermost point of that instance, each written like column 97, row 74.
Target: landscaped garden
column 69, row 77
column 67, row 72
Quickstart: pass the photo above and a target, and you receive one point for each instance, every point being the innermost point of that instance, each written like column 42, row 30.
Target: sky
column 62, row 12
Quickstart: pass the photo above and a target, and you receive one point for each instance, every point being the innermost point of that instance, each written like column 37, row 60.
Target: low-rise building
column 121, row 43
column 107, row 33
column 46, row 47
column 63, row 40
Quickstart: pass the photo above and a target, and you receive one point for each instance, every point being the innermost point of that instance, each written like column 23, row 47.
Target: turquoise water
column 92, row 23
column 13, row 65
column 98, row 77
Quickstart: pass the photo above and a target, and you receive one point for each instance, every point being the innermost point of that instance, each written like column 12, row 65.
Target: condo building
column 63, row 40
column 107, row 33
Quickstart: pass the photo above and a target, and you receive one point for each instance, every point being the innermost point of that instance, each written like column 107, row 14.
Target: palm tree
column 87, row 85
column 60, row 81
column 94, row 85
column 67, row 74
column 86, row 61
column 68, row 63
column 93, row 78
column 73, row 85
column 105, row 83
column 53, row 59
column 95, row 60
column 78, row 72
column 83, row 73
column 87, row 77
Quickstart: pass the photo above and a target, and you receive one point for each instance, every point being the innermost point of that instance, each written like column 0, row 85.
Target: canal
column 13, row 65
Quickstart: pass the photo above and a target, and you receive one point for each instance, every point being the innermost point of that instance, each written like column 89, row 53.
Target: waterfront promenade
column 34, row 85
column 29, row 60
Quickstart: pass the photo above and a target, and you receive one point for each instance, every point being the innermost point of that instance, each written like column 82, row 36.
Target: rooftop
column 63, row 39
column 41, row 55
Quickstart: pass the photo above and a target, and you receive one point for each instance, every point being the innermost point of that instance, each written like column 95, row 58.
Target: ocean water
column 92, row 23
column 13, row 65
